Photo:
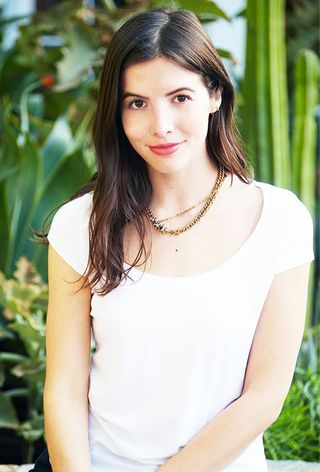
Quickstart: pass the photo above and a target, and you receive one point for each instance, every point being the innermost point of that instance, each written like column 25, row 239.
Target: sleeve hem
column 295, row 264
column 69, row 260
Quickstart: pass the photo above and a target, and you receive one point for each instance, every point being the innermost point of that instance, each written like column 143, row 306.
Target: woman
column 190, row 365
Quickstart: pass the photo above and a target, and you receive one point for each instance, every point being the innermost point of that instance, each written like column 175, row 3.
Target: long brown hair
column 121, row 186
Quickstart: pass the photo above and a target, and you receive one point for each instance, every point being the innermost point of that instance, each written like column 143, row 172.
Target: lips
column 165, row 149
column 162, row 146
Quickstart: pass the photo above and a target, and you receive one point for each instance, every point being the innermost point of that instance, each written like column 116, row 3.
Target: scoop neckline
column 220, row 267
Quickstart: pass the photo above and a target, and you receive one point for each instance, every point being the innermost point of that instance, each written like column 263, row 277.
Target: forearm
column 66, row 429
column 224, row 438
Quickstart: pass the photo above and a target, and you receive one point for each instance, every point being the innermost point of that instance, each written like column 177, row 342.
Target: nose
column 161, row 122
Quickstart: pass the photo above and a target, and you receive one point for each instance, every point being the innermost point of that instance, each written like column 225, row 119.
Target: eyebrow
column 130, row 94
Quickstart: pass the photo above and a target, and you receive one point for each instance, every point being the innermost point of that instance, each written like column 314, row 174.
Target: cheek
column 132, row 127
column 196, row 123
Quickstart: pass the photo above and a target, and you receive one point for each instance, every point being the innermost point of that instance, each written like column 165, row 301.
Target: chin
column 167, row 166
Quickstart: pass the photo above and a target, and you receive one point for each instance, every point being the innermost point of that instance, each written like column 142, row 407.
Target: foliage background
column 48, row 89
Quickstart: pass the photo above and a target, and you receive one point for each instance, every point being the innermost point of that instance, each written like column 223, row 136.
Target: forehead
column 159, row 73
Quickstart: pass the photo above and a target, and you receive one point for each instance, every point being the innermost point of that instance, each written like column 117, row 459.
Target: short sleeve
column 69, row 232
column 295, row 246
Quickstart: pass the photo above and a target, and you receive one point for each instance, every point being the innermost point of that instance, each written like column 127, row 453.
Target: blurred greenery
column 24, row 302
column 295, row 434
column 48, row 91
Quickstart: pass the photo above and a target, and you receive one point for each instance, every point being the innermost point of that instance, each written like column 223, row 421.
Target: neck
column 174, row 192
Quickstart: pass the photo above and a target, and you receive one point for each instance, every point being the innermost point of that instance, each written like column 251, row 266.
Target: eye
column 136, row 102
column 183, row 97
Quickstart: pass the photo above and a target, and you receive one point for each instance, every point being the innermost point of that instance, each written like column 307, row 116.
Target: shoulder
column 289, row 227
column 284, row 202
column 76, row 211
column 69, row 234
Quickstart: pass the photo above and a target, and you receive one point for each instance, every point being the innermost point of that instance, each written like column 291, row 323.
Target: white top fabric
column 171, row 352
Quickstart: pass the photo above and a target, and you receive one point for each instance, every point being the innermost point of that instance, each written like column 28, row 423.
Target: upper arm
column 68, row 328
column 278, row 337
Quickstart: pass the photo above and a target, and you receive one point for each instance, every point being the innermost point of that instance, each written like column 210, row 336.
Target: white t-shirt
column 171, row 352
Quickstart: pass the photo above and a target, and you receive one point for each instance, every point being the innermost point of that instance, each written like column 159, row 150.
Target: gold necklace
column 163, row 229
column 185, row 211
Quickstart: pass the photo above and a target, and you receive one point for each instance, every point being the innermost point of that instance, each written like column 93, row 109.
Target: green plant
column 302, row 32
column 295, row 433
column 24, row 301
column 265, row 120
column 35, row 177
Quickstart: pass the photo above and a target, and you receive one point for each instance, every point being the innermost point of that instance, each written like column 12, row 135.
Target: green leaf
column 227, row 54
column 204, row 7
column 8, row 417
column 20, row 192
column 33, row 429
column 17, row 392
column 5, row 173
column 33, row 341
column 2, row 374
column 23, row 292
column 56, row 146
column 77, row 59
column 32, row 368
column 12, row 357
column 70, row 173
column 11, row 19
column 10, row 167
column 5, row 333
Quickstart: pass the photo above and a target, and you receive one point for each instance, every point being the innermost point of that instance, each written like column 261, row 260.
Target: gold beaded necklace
column 184, row 211
column 208, row 201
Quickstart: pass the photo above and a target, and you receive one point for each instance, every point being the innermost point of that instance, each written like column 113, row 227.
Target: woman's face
column 164, row 103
